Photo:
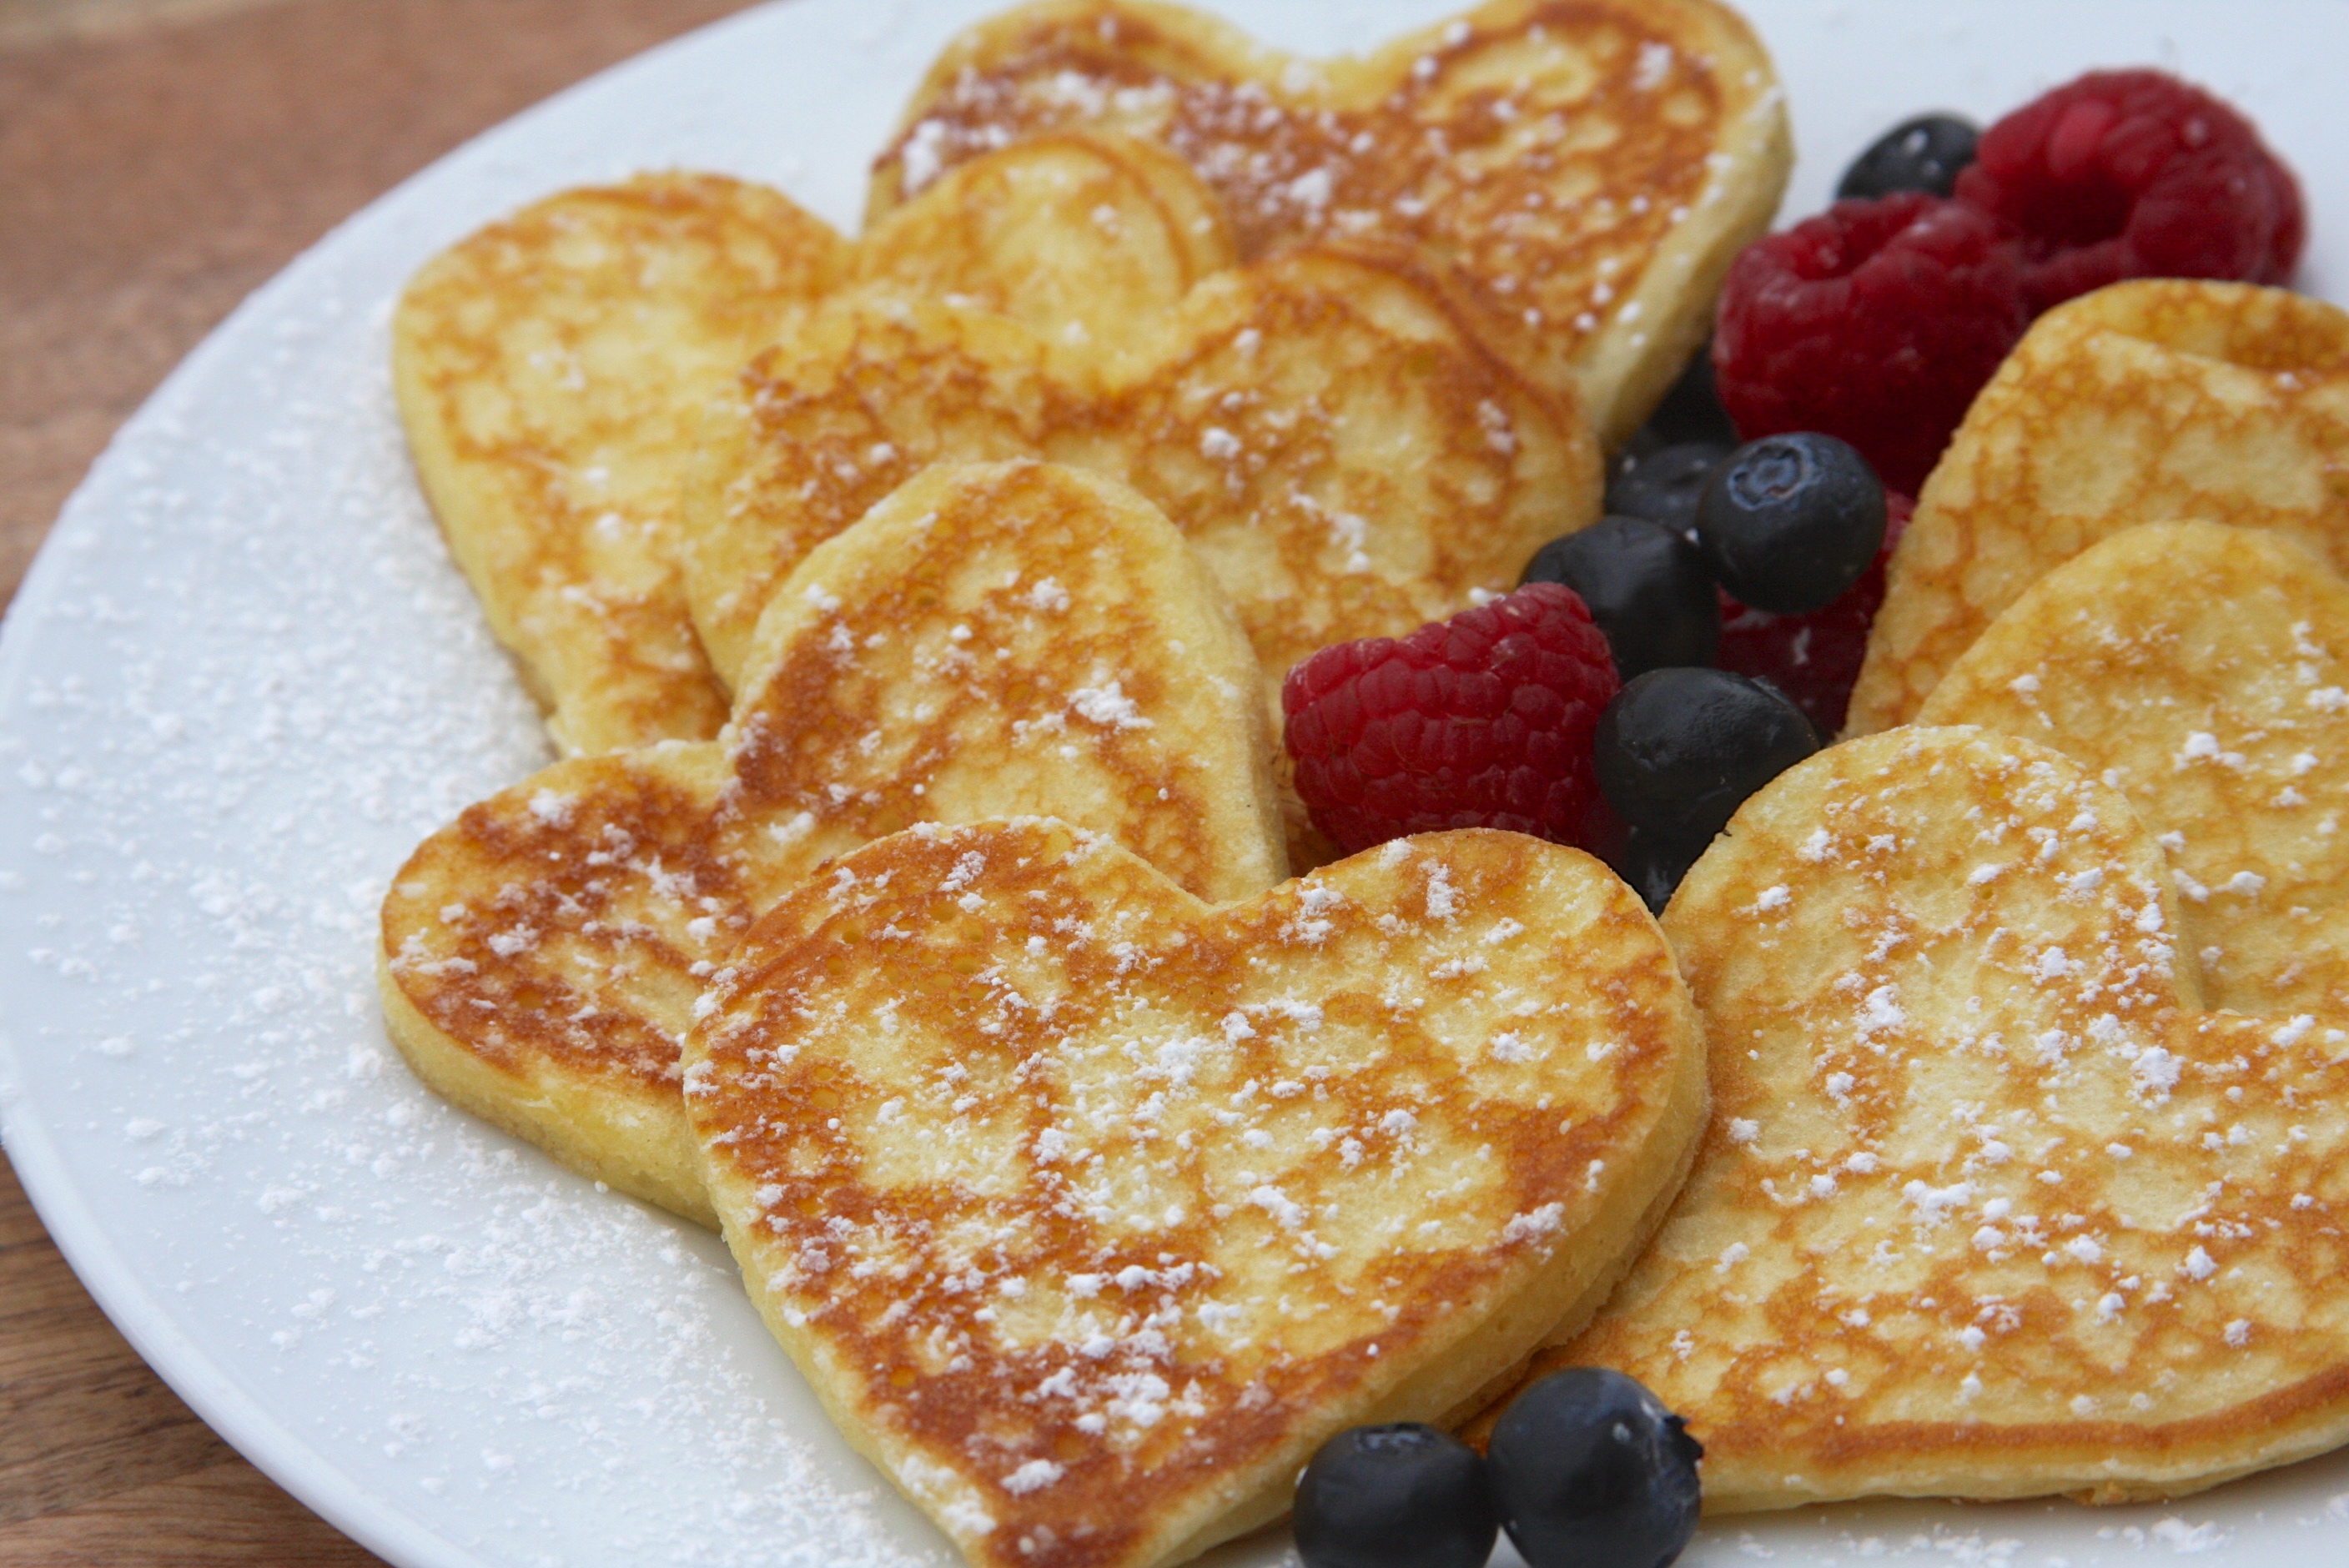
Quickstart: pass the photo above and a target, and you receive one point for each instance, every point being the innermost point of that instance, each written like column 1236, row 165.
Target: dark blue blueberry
column 1647, row 587
column 1788, row 523
column 1662, row 483
column 1679, row 750
column 1404, row 1496
column 1922, row 154
column 1591, row 1472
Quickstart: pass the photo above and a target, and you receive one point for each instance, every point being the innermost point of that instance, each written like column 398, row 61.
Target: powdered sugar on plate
column 247, row 682
column 244, row 681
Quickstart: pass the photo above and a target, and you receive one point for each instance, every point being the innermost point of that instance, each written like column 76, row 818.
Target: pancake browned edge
column 551, row 369
column 1089, row 1210
column 1008, row 638
column 1589, row 166
column 2145, row 402
column 1988, row 1206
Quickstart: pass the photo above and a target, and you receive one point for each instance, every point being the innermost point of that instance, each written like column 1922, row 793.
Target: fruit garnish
column 1646, row 585
column 1590, row 1471
column 1482, row 721
column 1679, row 750
column 1401, row 1496
column 1789, row 522
column 1814, row 658
column 1876, row 322
column 2127, row 174
column 1922, row 154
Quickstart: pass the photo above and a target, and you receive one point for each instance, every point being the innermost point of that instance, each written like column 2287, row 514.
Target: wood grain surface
column 151, row 174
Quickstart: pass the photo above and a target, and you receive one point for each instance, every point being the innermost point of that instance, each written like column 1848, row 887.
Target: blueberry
column 1679, row 750
column 1922, row 154
column 1692, row 410
column 1645, row 585
column 1788, row 523
column 1591, row 1472
column 1662, row 483
column 1404, row 1496
column 1654, row 865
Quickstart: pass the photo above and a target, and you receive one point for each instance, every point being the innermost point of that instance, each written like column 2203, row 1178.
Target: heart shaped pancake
column 1014, row 638
column 1987, row 1206
column 549, row 367
column 1588, row 168
column 2139, row 403
column 1090, row 1212
column 1347, row 458
column 2203, row 672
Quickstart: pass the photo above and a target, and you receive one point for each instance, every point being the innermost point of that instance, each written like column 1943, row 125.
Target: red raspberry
column 1875, row 321
column 1481, row 721
column 2131, row 174
column 1814, row 658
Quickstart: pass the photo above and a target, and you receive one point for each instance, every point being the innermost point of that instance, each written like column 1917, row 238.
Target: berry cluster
column 1813, row 658
column 1510, row 716
column 1718, row 612
column 1880, row 319
column 1586, row 1468
column 1656, row 668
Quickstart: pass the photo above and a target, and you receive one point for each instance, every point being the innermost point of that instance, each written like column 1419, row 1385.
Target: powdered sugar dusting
column 1975, row 1156
column 562, row 1278
column 224, row 751
column 1109, row 707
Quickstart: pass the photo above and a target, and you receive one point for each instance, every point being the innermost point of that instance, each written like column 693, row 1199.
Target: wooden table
column 159, row 159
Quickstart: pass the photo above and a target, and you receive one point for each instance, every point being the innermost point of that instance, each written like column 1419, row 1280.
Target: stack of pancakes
column 910, row 900
column 2027, row 1004
column 912, row 612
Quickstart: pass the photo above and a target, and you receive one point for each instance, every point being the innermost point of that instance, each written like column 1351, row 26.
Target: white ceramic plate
column 243, row 680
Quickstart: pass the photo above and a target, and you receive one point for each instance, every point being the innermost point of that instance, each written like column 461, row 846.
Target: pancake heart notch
column 1988, row 1206
column 1347, row 457
column 2203, row 671
column 2157, row 398
column 551, row 369
column 1090, row 1210
column 1588, row 168
column 988, row 640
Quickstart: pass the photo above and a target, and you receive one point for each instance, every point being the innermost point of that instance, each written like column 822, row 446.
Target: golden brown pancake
column 545, row 368
column 1008, row 638
column 2203, row 672
column 1089, row 1210
column 1988, row 1206
column 2143, row 402
column 1088, row 238
column 1589, row 166
column 551, row 370
column 1346, row 457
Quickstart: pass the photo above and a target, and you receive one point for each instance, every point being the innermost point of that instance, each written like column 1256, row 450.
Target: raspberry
column 1481, row 721
column 1813, row 658
column 2128, row 174
column 1876, row 321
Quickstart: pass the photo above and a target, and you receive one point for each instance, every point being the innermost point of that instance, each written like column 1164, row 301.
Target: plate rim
column 274, row 1445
